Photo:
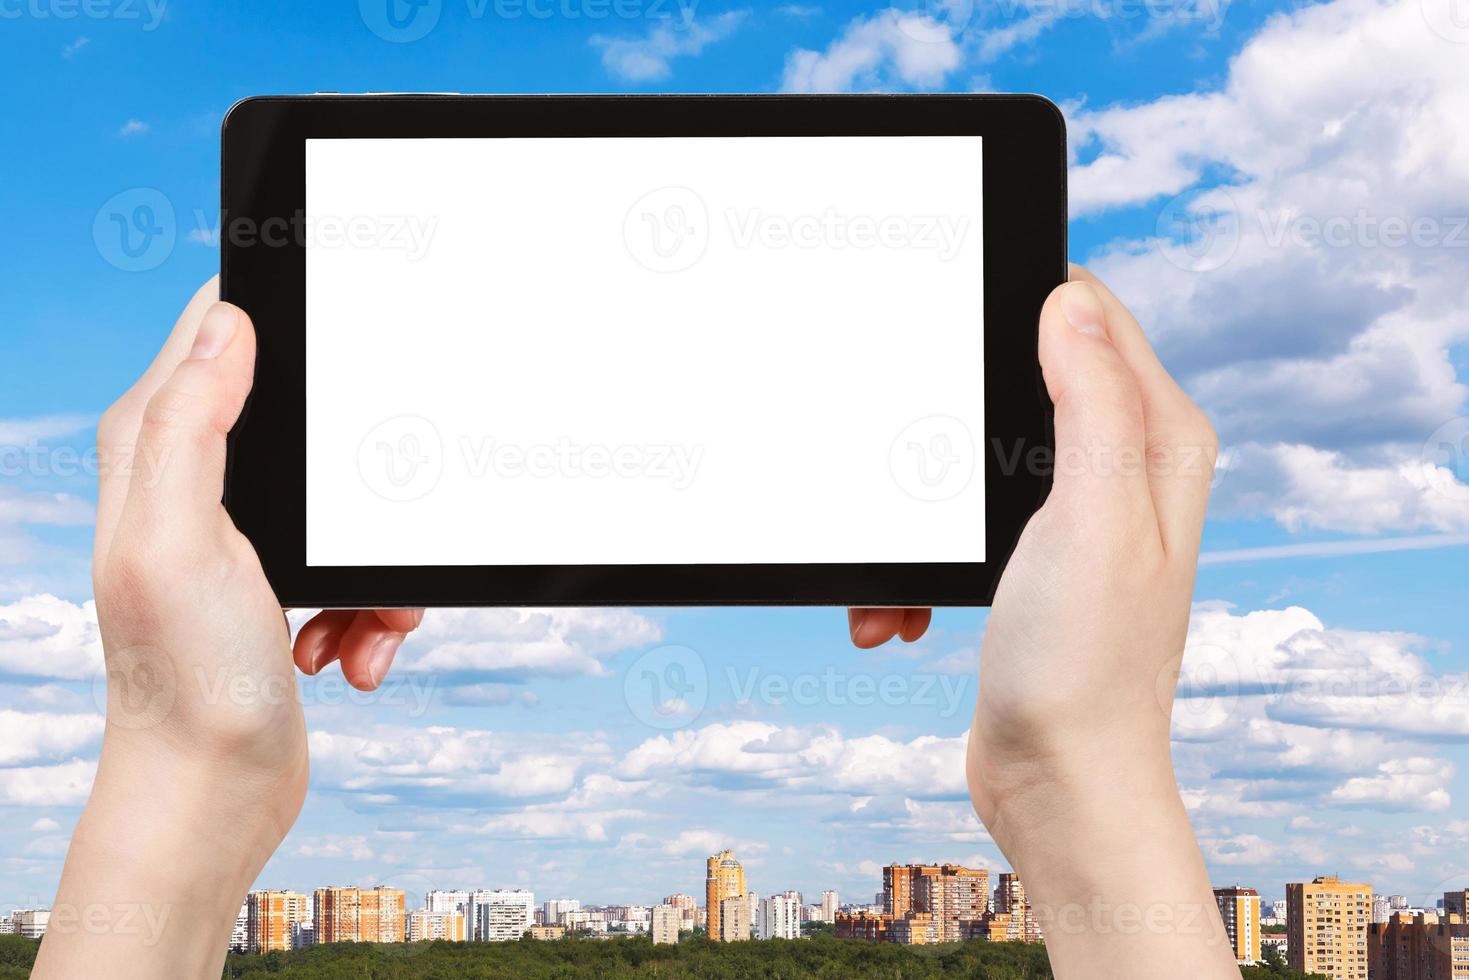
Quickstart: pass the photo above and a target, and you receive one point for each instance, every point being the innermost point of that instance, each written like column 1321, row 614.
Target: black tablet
column 652, row 350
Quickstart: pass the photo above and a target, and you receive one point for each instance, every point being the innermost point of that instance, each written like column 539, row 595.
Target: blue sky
column 1328, row 366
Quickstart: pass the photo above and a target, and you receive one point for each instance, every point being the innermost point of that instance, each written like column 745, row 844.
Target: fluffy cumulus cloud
column 749, row 754
column 63, row 784
column 1278, row 712
column 892, row 49
column 448, row 764
column 43, row 636
column 28, row 737
column 648, row 58
column 515, row 644
column 1312, row 300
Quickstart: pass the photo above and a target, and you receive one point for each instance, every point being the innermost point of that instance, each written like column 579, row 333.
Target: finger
column 874, row 627
column 400, row 620
column 366, row 650
column 185, row 423
column 1181, row 445
column 317, row 642
column 915, row 624
column 1100, row 470
column 117, row 430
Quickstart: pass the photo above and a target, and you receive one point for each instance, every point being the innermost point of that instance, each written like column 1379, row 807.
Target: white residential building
column 667, row 919
column 239, row 935
column 780, row 917
column 553, row 910
column 502, row 914
column 30, row 923
column 829, row 906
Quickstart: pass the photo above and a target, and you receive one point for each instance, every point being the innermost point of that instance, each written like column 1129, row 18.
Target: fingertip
column 915, row 624
column 367, row 651
column 1081, row 308
column 400, row 620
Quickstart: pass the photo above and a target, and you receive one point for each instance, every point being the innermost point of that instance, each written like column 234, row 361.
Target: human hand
column 1069, row 755
column 204, row 765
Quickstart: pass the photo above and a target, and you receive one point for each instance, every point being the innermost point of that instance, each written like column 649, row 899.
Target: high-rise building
column 667, row 920
column 1419, row 946
column 724, row 878
column 1326, row 927
column 426, row 925
column 447, row 900
column 358, row 915
column 30, row 923
column 1240, row 910
column 271, row 918
column 829, row 906
column 553, row 909
column 779, row 917
column 689, row 913
column 502, row 914
column 239, row 935
column 1457, row 903
column 1381, row 908
column 1021, row 925
column 734, row 920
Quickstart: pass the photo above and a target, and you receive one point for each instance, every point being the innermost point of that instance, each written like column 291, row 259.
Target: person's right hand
column 1070, row 764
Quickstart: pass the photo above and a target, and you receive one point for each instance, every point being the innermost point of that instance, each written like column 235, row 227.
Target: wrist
column 1100, row 837
column 159, row 862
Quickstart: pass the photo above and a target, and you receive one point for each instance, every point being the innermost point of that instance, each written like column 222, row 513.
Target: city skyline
column 605, row 752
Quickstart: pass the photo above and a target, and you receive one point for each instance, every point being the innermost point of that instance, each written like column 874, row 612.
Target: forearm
column 1110, row 864
column 159, row 863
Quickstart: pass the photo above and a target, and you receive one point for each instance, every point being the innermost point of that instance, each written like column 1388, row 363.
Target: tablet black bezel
column 263, row 178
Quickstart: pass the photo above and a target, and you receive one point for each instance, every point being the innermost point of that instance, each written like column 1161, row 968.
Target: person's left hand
column 204, row 763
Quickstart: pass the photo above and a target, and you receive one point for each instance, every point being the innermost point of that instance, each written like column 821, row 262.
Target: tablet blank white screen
column 644, row 351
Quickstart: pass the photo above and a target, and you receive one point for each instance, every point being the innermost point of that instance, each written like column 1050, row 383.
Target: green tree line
column 822, row 957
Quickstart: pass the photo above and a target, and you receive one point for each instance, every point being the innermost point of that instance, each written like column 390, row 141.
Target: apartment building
column 1240, row 910
column 1326, row 927
column 667, row 920
column 724, row 879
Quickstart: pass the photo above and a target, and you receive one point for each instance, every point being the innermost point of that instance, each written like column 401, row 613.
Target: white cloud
column 648, row 58
column 1318, row 342
column 43, row 636
column 25, row 431
column 513, row 644
column 449, row 762
column 71, row 50
column 354, row 847
column 133, row 127
column 45, row 825
column 36, row 507
column 1278, row 712
column 64, row 784
column 1415, row 783
column 820, row 760
column 890, row 49
column 35, row 736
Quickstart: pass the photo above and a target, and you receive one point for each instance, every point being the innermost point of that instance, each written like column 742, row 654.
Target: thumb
column 187, row 419
column 1101, row 441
